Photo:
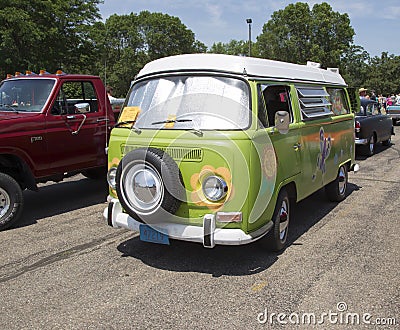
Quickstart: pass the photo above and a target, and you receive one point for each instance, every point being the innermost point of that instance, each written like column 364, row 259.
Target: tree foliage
column 39, row 34
column 128, row 42
column 297, row 34
column 68, row 34
column 383, row 74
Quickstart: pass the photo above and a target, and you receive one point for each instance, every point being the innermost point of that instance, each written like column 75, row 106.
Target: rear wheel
column 336, row 190
column 11, row 201
column 276, row 239
column 369, row 149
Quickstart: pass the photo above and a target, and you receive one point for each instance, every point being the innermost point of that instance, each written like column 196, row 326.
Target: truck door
column 76, row 133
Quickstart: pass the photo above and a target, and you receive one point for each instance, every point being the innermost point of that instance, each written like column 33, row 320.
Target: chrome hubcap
column 5, row 202
column 342, row 180
column 371, row 144
column 143, row 188
column 283, row 220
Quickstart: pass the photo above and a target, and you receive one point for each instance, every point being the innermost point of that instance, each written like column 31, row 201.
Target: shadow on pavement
column 228, row 260
column 59, row 198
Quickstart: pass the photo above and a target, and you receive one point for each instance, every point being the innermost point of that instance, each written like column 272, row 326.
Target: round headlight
column 111, row 177
column 214, row 188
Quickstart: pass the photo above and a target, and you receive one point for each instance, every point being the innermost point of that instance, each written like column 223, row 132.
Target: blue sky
column 376, row 23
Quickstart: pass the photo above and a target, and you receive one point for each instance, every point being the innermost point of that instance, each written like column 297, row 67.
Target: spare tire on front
column 149, row 185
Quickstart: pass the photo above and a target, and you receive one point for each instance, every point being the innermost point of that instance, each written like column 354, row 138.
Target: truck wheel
column 149, row 185
column 275, row 240
column 336, row 190
column 11, row 201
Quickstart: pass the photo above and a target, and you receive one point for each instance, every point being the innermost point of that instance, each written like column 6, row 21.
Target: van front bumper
column 207, row 234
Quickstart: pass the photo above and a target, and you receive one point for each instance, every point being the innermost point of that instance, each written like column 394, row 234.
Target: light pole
column 249, row 21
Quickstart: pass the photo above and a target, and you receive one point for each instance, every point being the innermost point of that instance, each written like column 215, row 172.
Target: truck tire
column 276, row 238
column 149, row 185
column 336, row 190
column 11, row 201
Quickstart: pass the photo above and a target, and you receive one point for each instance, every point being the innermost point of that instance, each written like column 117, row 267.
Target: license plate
column 149, row 234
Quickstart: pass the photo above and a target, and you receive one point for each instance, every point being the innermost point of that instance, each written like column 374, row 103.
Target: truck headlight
column 111, row 177
column 214, row 188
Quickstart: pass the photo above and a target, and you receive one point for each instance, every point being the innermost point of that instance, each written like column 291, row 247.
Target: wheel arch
column 19, row 170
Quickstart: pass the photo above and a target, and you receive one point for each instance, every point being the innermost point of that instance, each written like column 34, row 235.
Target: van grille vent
column 177, row 153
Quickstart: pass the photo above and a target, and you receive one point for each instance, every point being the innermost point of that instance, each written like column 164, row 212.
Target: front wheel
column 336, row 190
column 276, row 239
column 11, row 201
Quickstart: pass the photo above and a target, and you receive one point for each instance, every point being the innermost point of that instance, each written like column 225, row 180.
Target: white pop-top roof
column 252, row 67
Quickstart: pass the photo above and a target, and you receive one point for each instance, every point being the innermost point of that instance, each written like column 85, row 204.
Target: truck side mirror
column 82, row 107
column 282, row 120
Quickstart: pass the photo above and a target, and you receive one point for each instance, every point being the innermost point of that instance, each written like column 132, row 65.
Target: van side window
column 338, row 100
column 276, row 98
column 262, row 111
column 314, row 101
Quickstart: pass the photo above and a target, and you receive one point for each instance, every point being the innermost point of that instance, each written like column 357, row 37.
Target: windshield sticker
column 129, row 114
column 170, row 121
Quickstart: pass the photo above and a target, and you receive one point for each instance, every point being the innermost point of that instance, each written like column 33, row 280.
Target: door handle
column 71, row 117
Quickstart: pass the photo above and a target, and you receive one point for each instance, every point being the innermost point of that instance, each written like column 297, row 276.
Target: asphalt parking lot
column 64, row 268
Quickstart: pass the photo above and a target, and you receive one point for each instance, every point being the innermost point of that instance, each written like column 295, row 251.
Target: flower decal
column 196, row 182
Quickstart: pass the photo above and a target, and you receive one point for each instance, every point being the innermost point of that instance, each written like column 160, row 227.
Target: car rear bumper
column 361, row 141
column 207, row 234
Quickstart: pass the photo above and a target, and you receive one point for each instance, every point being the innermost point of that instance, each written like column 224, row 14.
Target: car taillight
column 358, row 126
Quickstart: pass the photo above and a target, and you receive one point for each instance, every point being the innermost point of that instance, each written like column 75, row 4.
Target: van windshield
column 191, row 102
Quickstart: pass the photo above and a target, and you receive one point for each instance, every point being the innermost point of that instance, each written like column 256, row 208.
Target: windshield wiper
column 195, row 131
column 127, row 122
column 168, row 121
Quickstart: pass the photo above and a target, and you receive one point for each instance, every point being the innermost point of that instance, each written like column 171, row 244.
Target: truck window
column 276, row 98
column 72, row 93
column 25, row 95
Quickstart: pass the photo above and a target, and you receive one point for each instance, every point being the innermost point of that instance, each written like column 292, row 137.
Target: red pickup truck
column 51, row 126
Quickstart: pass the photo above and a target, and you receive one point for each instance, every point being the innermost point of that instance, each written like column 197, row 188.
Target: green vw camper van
column 215, row 149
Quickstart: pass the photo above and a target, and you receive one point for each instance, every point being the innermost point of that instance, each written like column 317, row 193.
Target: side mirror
column 282, row 120
column 82, row 108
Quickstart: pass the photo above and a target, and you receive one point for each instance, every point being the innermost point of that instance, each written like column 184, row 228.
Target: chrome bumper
column 207, row 234
column 361, row 141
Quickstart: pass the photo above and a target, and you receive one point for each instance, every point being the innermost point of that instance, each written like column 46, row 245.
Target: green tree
column 234, row 47
column 297, row 34
column 383, row 74
column 354, row 66
column 126, row 43
column 38, row 34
